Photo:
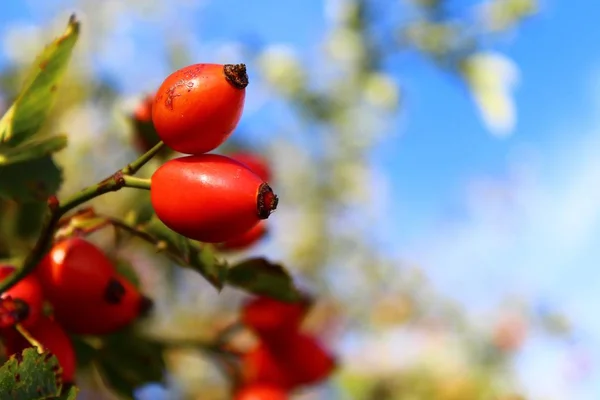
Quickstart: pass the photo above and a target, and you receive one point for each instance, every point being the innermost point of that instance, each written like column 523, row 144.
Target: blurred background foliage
column 319, row 118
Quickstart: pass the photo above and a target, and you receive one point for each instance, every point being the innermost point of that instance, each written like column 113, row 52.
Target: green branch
column 117, row 181
column 135, row 166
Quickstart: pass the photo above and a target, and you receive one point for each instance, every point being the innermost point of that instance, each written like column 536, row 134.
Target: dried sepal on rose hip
column 210, row 198
column 22, row 303
column 198, row 107
column 262, row 169
column 51, row 335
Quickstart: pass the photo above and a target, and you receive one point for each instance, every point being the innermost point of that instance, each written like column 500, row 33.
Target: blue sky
column 489, row 215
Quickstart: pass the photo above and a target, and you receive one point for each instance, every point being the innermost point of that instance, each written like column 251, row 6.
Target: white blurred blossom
column 21, row 41
column 491, row 78
column 345, row 45
column 400, row 349
column 381, row 91
column 499, row 15
column 281, row 68
column 339, row 11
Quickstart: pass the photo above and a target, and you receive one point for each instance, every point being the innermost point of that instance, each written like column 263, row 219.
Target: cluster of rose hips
column 206, row 197
column 85, row 293
column 286, row 357
column 211, row 198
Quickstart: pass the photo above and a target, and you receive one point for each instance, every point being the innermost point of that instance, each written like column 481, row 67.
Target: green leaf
column 128, row 361
column 70, row 394
column 29, row 219
column 84, row 350
column 126, row 270
column 31, row 149
column 188, row 252
column 30, row 376
column 32, row 180
column 259, row 276
column 29, row 111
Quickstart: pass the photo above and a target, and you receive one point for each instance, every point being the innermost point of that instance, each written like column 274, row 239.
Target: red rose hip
column 197, row 107
column 210, row 198
column 273, row 319
column 261, row 392
column 28, row 291
column 255, row 163
column 104, row 317
column 246, row 239
column 75, row 271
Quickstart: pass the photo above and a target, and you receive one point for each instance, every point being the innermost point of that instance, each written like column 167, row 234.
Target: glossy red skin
column 27, row 289
column 143, row 111
column 100, row 317
column 261, row 392
column 272, row 319
column 292, row 361
column 246, row 239
column 75, row 272
column 307, row 360
column 255, row 163
column 196, row 108
column 261, row 366
column 209, row 198
column 53, row 337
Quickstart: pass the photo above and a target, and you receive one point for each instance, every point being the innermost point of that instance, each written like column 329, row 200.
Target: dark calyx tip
column 236, row 75
column 21, row 311
column 114, row 292
column 267, row 201
column 146, row 306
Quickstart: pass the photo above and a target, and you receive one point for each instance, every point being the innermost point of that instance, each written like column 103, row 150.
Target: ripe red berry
column 306, row 359
column 50, row 335
column 261, row 366
column 28, row 291
column 144, row 134
column 293, row 360
column 210, row 198
column 271, row 318
column 197, row 107
column 143, row 112
column 246, row 239
column 261, row 392
column 75, row 272
column 102, row 317
column 255, row 163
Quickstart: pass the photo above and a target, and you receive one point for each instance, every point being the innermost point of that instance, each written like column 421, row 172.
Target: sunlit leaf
column 29, row 111
column 31, row 149
column 189, row 252
column 259, row 276
column 30, row 376
column 70, row 394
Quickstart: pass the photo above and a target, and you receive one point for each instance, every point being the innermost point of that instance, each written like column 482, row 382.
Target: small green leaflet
column 29, row 111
